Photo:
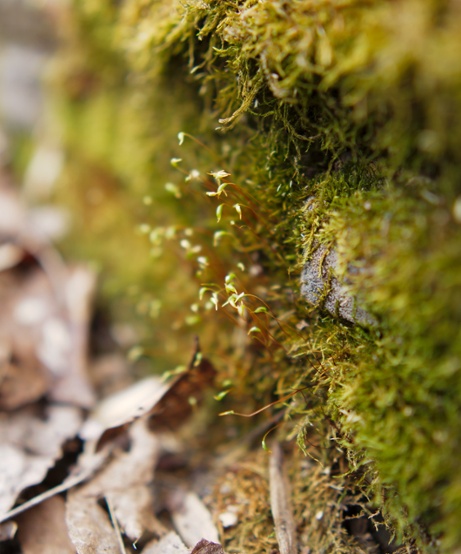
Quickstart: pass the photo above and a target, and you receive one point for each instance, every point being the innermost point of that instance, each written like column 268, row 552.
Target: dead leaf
column 119, row 410
column 89, row 527
column 71, row 481
column 207, row 547
column 25, row 303
column 45, row 314
column 43, row 339
column 31, row 441
column 169, row 544
column 167, row 405
column 285, row 528
column 43, row 529
column 185, row 392
column 43, row 356
column 125, row 482
column 190, row 517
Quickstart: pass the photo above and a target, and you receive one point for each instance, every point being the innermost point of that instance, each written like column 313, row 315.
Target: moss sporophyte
column 312, row 241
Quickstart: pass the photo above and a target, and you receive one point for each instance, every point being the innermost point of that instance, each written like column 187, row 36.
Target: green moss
column 339, row 124
column 398, row 396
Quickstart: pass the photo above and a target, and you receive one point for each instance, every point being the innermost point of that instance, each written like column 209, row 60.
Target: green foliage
column 338, row 125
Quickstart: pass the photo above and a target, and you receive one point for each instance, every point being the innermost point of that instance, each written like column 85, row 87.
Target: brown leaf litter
column 45, row 393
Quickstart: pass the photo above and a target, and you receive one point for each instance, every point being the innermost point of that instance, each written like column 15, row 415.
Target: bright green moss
column 339, row 123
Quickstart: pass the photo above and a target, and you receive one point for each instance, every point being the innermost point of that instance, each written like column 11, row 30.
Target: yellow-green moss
column 339, row 124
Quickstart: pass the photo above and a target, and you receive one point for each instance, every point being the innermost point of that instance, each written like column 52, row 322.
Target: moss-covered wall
column 302, row 125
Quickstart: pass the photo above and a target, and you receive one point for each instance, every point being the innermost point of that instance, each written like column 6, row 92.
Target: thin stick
column 63, row 487
column 285, row 528
column 115, row 525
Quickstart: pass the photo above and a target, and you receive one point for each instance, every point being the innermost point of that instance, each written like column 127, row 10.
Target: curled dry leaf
column 81, row 474
column 167, row 405
column 285, row 528
column 105, row 424
column 184, row 392
column 119, row 410
column 31, row 441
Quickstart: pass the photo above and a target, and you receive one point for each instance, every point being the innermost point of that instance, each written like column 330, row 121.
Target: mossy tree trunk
column 317, row 135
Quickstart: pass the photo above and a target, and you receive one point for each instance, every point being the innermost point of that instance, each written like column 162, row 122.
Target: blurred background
column 27, row 40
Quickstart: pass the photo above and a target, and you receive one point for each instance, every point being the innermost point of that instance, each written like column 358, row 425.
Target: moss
column 338, row 129
column 399, row 395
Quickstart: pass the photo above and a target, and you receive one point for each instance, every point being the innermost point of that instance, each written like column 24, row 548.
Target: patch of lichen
column 342, row 125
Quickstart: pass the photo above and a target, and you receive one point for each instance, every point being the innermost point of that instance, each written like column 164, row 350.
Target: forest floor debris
column 77, row 473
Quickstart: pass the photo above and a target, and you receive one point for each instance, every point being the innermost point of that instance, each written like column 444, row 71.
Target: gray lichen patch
column 321, row 287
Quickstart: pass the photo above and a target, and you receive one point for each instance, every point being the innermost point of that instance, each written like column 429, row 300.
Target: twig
column 115, row 525
column 285, row 529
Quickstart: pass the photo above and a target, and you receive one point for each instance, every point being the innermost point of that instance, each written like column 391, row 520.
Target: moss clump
column 338, row 128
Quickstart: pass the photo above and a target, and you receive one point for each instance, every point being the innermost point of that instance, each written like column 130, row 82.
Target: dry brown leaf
column 81, row 474
column 31, row 441
column 89, row 527
column 45, row 315
column 191, row 517
column 124, row 481
column 184, row 392
column 118, row 411
column 167, row 405
column 43, row 529
column 285, row 528
column 43, row 339
column 169, row 544
column 26, row 302
column 133, row 508
column 207, row 547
